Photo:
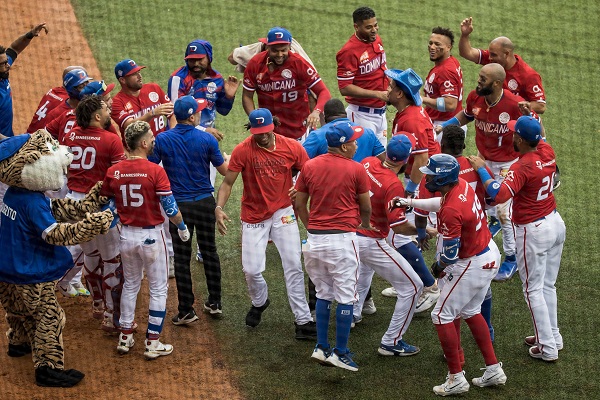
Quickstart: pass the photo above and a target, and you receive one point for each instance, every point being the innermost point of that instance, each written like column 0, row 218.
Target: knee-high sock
column 481, row 334
column 449, row 341
column 343, row 322
column 322, row 310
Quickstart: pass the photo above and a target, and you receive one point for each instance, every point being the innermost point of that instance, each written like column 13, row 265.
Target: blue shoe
column 494, row 226
column 340, row 360
column 320, row 355
column 507, row 269
column 402, row 349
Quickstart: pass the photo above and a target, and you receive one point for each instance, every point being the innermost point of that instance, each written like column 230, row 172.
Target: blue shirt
column 368, row 144
column 186, row 153
column 6, row 103
column 26, row 256
column 211, row 88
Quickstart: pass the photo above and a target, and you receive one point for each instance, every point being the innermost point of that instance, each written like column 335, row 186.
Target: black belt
column 378, row 111
column 142, row 227
column 487, row 248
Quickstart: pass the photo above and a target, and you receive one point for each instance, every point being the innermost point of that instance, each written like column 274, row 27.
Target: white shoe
column 369, row 307
column 427, row 298
column 125, row 343
column 493, row 375
column 68, row 291
column 455, row 384
column 389, row 292
column 155, row 349
column 171, row 267
column 81, row 290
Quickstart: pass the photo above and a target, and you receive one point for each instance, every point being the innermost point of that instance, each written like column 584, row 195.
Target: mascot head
column 34, row 162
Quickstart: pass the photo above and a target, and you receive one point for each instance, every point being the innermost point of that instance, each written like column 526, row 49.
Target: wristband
column 440, row 104
column 181, row 226
column 411, row 186
column 316, row 109
column 29, row 35
column 451, row 121
column 219, row 207
column 484, row 174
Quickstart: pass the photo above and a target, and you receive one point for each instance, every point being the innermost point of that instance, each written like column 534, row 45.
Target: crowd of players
column 362, row 219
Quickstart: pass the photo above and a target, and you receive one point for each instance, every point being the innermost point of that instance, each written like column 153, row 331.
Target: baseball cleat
column 530, row 341
column 342, row 360
column 494, row 375
column 155, row 349
column 389, row 292
column 81, row 290
column 507, row 269
column 356, row 320
column 369, row 307
column 428, row 298
column 255, row 314
column 307, row 331
column 494, row 226
column 402, row 349
column 455, row 384
column 535, row 352
column 184, row 319
column 125, row 343
column 320, row 355
column 68, row 291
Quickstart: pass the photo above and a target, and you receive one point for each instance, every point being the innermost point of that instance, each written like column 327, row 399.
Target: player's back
column 49, row 102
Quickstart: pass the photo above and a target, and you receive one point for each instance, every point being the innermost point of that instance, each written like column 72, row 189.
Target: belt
column 487, row 248
column 378, row 111
column 142, row 227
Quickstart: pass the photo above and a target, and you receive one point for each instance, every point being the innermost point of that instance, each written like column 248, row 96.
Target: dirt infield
column 195, row 369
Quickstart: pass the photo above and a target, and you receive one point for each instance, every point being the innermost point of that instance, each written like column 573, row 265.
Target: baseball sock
column 155, row 324
column 322, row 310
column 486, row 312
column 449, row 341
column 415, row 258
column 481, row 334
column 343, row 321
column 461, row 353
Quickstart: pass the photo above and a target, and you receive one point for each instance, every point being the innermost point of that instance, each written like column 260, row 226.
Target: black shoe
column 254, row 315
column 50, row 377
column 214, row 309
column 307, row 331
column 18, row 350
column 184, row 319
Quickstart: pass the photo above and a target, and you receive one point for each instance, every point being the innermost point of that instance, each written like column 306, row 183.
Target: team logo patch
column 128, row 106
column 342, row 139
column 153, row 96
column 117, row 175
column 310, row 71
column 448, row 85
column 476, row 111
column 211, row 87
column 288, row 219
column 512, row 84
column 504, row 172
column 286, row 73
column 504, row 118
column 431, row 78
column 462, row 198
column 536, row 89
column 364, row 57
column 539, row 164
column 495, row 186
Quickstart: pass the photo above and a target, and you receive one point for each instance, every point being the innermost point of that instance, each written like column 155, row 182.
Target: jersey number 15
column 131, row 196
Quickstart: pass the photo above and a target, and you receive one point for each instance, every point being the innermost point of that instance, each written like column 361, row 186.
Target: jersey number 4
column 131, row 196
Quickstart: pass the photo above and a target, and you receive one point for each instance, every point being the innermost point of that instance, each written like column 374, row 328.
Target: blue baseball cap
column 187, row 106
column 408, row 81
column 279, row 35
column 195, row 49
column 343, row 132
column 98, row 88
column 527, row 127
column 398, row 148
column 126, row 67
column 11, row 145
column 261, row 121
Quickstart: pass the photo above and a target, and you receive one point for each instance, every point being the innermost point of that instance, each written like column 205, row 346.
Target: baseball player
column 540, row 230
column 444, row 83
column 491, row 107
column 337, row 207
column 240, row 56
column 377, row 256
column 465, row 266
column 360, row 73
column 267, row 161
column 281, row 80
column 140, row 188
column 186, row 153
column 94, row 150
column 49, row 102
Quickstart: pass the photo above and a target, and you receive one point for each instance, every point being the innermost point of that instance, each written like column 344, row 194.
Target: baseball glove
column 437, row 270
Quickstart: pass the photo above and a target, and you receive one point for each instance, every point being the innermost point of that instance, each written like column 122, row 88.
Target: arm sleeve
column 249, row 82
column 377, row 146
column 40, row 216
column 397, row 216
column 223, row 104
column 216, row 158
column 237, row 160
column 117, row 153
column 346, row 68
column 162, row 185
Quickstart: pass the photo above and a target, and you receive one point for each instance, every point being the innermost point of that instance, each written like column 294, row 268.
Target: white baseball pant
column 376, row 122
column 463, row 288
column 144, row 249
column 504, row 210
column 331, row 261
column 539, row 251
column 283, row 230
column 377, row 256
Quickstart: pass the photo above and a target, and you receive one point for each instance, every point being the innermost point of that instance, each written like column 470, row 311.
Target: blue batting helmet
column 73, row 79
column 444, row 168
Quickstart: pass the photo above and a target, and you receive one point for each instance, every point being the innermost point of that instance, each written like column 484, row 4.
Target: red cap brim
column 202, row 103
column 136, row 69
column 262, row 129
column 358, row 132
column 263, row 40
column 109, row 88
column 278, row 42
column 512, row 125
column 195, row 56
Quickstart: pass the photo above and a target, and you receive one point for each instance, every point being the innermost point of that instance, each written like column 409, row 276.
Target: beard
column 484, row 91
column 4, row 75
column 107, row 124
column 515, row 147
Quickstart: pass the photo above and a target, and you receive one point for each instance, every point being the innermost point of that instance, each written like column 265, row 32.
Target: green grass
column 559, row 39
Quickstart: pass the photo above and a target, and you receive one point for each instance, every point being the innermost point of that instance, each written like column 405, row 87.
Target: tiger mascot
column 33, row 232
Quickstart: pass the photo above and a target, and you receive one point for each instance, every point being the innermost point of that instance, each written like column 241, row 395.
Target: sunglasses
column 102, row 89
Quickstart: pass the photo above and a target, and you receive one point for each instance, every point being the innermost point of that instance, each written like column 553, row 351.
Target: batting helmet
column 444, row 168
column 73, row 79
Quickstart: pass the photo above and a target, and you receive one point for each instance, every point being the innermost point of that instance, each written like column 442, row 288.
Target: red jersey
column 126, row 106
column 444, row 80
column 267, row 175
column 462, row 216
column 362, row 64
column 94, row 151
column 49, row 102
column 58, row 112
column 64, row 123
column 530, row 180
column 415, row 121
column 521, row 79
column 492, row 136
column 284, row 90
column 137, row 186
column 385, row 185
column 333, row 183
